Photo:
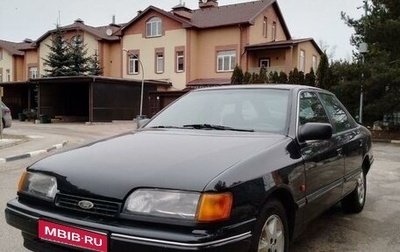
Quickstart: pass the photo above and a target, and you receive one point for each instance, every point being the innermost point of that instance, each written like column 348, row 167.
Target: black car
column 235, row 168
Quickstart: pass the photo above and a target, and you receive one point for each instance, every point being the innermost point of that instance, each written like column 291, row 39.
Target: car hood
column 169, row 159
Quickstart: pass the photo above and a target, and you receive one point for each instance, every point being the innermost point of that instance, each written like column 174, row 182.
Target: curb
column 33, row 153
column 386, row 141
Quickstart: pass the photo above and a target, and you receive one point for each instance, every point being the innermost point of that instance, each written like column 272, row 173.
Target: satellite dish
column 109, row 32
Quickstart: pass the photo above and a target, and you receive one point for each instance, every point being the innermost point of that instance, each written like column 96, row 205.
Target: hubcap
column 361, row 189
column 272, row 237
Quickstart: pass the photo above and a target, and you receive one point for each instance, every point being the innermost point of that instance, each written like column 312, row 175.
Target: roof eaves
column 268, row 3
column 184, row 23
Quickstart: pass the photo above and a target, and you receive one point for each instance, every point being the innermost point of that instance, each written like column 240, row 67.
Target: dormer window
column 76, row 40
column 154, row 27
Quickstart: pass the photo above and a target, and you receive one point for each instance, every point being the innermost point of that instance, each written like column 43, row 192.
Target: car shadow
column 322, row 233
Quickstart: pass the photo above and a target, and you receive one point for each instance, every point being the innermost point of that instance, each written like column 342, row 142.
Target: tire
column 355, row 201
column 271, row 232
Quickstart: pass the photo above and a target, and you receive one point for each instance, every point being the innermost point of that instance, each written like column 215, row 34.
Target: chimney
column 80, row 21
column 113, row 19
column 182, row 11
column 204, row 4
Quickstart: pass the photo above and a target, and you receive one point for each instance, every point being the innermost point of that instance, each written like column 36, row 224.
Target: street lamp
column 142, row 88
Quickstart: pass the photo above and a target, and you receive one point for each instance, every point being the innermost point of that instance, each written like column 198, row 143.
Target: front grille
column 101, row 207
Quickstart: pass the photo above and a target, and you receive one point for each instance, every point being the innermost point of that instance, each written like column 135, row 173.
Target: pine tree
column 282, row 78
column 322, row 71
column 263, row 75
column 79, row 60
column 379, row 28
column 237, row 75
column 58, row 61
column 247, row 77
column 94, row 67
column 309, row 79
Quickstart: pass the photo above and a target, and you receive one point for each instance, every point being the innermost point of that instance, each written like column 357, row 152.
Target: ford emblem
column 85, row 204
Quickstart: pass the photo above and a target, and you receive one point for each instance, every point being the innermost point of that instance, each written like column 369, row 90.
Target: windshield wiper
column 165, row 127
column 214, row 127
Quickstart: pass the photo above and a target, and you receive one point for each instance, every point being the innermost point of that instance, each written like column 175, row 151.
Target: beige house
column 201, row 47
column 15, row 59
column 99, row 42
column 183, row 47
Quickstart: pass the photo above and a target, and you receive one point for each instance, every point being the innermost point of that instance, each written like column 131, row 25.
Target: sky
column 319, row 19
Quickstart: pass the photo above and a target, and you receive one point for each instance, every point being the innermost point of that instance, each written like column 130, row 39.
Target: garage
column 87, row 98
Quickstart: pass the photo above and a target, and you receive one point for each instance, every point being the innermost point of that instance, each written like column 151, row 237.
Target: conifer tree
column 58, row 61
column 94, row 67
column 79, row 60
column 237, row 75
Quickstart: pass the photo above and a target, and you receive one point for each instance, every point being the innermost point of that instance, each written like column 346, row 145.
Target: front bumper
column 129, row 238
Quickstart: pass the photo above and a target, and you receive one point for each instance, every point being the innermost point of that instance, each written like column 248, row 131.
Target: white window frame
column 180, row 56
column 226, row 61
column 160, row 62
column 302, row 61
column 133, row 64
column 154, row 27
column 273, row 31
column 33, row 72
column 265, row 27
column 314, row 63
column 265, row 62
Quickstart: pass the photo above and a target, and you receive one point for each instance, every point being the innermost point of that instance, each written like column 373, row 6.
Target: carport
column 92, row 98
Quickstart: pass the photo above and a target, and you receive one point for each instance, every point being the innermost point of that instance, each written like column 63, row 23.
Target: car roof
column 262, row 86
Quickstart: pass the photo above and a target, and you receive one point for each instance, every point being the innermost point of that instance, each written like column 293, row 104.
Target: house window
column 8, row 75
column 302, row 63
column 133, row 64
column 159, row 62
column 76, row 40
column 33, row 72
column 1, row 54
column 265, row 27
column 226, row 61
column 273, row 30
column 180, row 61
column 264, row 63
column 314, row 63
column 154, row 27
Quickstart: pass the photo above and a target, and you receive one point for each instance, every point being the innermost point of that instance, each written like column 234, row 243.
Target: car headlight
column 38, row 185
column 177, row 204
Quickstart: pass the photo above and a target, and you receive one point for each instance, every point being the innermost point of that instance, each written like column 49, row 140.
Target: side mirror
column 315, row 131
column 141, row 120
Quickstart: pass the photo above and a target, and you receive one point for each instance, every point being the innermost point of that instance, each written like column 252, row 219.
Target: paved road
column 375, row 229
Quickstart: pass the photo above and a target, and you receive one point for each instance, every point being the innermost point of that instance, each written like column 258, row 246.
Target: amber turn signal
column 21, row 181
column 214, row 207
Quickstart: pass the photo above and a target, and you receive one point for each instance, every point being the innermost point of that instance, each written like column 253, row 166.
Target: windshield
column 255, row 109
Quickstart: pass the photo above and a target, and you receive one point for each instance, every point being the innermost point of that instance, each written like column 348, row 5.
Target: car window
column 340, row 118
column 255, row 109
column 311, row 109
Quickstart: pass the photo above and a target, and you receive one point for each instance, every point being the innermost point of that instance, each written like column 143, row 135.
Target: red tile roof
column 282, row 44
column 227, row 15
column 243, row 13
column 15, row 48
column 99, row 32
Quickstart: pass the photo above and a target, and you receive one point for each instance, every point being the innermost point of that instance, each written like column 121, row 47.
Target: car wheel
column 271, row 233
column 355, row 201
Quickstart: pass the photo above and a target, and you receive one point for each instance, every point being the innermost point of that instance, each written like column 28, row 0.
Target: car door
column 348, row 134
column 323, row 159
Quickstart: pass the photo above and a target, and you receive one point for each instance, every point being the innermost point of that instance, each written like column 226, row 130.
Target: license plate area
column 72, row 236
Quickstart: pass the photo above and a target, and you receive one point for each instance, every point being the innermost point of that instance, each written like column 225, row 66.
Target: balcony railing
column 269, row 69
